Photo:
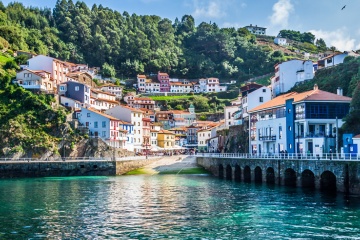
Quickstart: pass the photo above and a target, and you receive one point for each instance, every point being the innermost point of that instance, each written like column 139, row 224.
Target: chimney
column 339, row 91
column 316, row 87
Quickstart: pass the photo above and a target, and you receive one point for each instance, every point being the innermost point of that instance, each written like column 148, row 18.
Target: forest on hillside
column 135, row 44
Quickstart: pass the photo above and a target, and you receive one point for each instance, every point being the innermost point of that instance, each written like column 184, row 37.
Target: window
column 103, row 124
column 95, row 124
column 280, row 132
column 88, row 115
column 261, row 99
column 76, row 88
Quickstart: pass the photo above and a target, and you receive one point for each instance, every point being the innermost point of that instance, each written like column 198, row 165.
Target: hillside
column 136, row 44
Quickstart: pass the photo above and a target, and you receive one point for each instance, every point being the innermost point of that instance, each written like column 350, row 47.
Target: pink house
column 164, row 80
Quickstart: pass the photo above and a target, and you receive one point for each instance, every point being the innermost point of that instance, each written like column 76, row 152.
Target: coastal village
column 276, row 120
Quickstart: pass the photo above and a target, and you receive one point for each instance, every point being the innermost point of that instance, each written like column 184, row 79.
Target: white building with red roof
column 35, row 80
column 301, row 123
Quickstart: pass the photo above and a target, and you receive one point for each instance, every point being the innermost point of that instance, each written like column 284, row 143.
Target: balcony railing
column 267, row 138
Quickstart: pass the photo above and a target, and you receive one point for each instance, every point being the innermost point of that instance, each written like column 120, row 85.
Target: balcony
column 267, row 138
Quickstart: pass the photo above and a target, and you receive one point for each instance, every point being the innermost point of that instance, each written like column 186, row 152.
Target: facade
column 142, row 102
column 103, row 126
column 71, row 103
column 289, row 73
column 303, row 123
column 166, row 139
column 76, row 91
column 133, row 116
column 146, row 134
column 141, row 82
column 102, row 100
column 178, row 87
column 256, row 30
column 213, row 85
column 57, row 69
column 229, row 115
column 254, row 98
column 280, row 41
column 152, row 86
column 113, row 89
column 36, row 81
column 164, row 81
column 335, row 59
column 81, row 77
column 129, row 128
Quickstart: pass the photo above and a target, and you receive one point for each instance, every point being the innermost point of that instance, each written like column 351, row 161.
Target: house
column 253, row 97
column 113, row 89
column 280, row 41
column 154, row 129
column 141, row 102
column 335, row 59
column 129, row 128
column 298, row 122
column 192, row 130
column 102, row 100
column 76, row 91
column 131, row 115
column 207, row 133
column 81, row 77
column 289, row 73
column 103, row 126
column 164, row 81
column 180, row 135
column 256, row 30
column 146, row 134
column 213, row 85
column 178, row 87
column 152, row 86
column 229, row 115
column 166, row 139
column 129, row 97
column 57, row 68
column 141, row 82
column 35, row 80
column 166, row 118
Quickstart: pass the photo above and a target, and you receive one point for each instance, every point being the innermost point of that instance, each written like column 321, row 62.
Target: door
column 310, row 147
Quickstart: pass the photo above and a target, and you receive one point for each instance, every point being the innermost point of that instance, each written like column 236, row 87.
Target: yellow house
column 166, row 139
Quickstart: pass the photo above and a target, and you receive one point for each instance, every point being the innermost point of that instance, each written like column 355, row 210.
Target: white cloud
column 281, row 13
column 208, row 9
column 243, row 5
column 340, row 38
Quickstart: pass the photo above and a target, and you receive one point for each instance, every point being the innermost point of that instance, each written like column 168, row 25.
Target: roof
column 165, row 132
column 37, row 72
column 163, row 74
column 102, row 114
column 312, row 95
column 143, row 99
column 132, row 109
column 141, row 76
column 102, row 92
column 105, row 100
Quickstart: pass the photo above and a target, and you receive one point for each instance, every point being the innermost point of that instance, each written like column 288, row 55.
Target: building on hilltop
column 256, row 30
column 289, row 73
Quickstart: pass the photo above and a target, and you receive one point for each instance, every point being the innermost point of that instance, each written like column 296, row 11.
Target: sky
column 326, row 19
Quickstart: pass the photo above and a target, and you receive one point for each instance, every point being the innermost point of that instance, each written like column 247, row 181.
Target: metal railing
column 276, row 156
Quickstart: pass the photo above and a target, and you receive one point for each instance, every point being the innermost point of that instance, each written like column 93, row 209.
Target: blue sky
column 324, row 18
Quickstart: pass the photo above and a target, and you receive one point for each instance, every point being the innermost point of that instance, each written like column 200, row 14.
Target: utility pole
column 337, row 137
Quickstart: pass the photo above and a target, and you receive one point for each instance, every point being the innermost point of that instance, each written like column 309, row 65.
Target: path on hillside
column 171, row 164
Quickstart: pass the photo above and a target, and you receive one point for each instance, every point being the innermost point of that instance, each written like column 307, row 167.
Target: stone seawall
column 70, row 168
column 57, row 169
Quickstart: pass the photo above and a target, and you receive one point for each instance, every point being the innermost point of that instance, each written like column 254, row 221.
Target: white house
column 335, row 59
column 39, row 81
column 131, row 115
column 141, row 79
column 256, row 30
column 102, row 100
column 280, row 41
column 113, row 89
column 255, row 98
column 229, row 115
column 289, row 73
column 302, row 123
column 179, row 87
column 104, row 126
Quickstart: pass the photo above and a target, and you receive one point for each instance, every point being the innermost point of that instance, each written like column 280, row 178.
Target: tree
column 320, row 44
column 108, row 71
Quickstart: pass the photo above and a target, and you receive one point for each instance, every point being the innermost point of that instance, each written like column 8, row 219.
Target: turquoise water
column 170, row 207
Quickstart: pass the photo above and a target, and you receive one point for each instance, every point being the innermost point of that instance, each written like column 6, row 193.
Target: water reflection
column 171, row 206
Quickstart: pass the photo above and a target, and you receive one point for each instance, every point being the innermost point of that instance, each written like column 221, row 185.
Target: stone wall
column 57, row 169
column 123, row 167
column 347, row 173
